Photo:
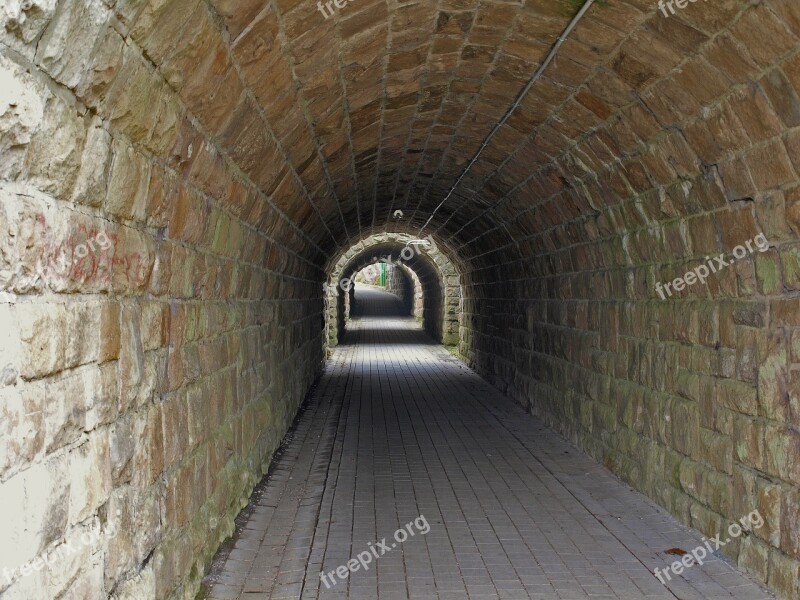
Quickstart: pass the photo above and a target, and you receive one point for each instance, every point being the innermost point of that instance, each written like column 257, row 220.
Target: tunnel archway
column 396, row 279
column 176, row 176
column 440, row 280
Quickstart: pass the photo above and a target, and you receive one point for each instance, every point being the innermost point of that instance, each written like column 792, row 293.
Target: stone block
column 716, row 450
column 793, row 391
column 109, row 340
column 784, row 574
column 781, row 445
column 785, row 312
column 782, row 96
column 790, row 523
column 161, row 192
column 690, row 475
column 88, row 585
column 56, row 52
column 101, row 68
column 744, row 491
column 44, row 492
column 119, row 556
column 127, row 104
column 10, row 347
column 131, row 356
column 754, row 557
column 159, row 24
column 773, row 373
column 22, row 426
column 737, row 396
column 683, row 426
column 155, row 325
column 175, row 419
column 768, row 498
column 128, row 181
column 161, row 274
column 22, row 23
column 90, row 184
column 43, row 342
column 706, row 521
column 760, row 22
column 53, row 156
column 132, row 261
column 731, row 57
column 238, row 15
column 73, row 560
column 103, row 401
column 66, row 400
column 89, row 473
column 748, row 440
column 166, row 130
column 770, row 166
column 83, row 334
column 141, row 585
column 717, row 491
column 738, row 181
column 121, row 448
column 22, row 106
column 189, row 217
column 768, row 273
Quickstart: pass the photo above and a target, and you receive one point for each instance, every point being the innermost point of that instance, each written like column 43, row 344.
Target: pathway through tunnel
column 406, row 475
column 372, row 302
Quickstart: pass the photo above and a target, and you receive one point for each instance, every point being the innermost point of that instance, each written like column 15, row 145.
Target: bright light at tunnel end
column 411, row 250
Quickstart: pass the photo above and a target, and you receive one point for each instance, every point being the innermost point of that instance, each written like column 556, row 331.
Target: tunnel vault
column 231, row 151
column 439, row 278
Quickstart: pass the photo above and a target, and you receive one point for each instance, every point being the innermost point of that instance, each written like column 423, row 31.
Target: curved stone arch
column 440, row 279
column 408, row 287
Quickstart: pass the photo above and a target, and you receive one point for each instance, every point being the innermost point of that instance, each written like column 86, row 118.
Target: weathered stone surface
column 56, row 51
column 90, row 185
column 234, row 152
column 23, row 426
column 22, row 23
column 22, row 102
column 45, row 517
column 128, row 181
column 51, row 163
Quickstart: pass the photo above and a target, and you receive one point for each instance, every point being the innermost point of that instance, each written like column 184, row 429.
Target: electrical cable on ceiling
column 551, row 55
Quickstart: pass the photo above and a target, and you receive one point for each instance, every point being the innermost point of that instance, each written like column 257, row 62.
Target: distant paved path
column 397, row 428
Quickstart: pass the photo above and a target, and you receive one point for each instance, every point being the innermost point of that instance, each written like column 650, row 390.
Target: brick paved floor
column 397, row 428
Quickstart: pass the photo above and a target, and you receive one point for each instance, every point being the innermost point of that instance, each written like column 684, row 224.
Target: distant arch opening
column 417, row 271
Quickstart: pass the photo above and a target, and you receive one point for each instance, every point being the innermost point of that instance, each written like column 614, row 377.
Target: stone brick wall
column 144, row 382
column 234, row 155
column 692, row 399
column 403, row 282
column 399, row 284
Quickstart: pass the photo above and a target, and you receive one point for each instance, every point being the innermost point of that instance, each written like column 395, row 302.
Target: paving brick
column 397, row 428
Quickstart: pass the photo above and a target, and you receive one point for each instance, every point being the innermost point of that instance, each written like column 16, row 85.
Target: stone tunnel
column 579, row 374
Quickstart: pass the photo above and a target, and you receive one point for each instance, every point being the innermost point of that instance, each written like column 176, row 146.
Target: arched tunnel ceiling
column 341, row 121
column 390, row 252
